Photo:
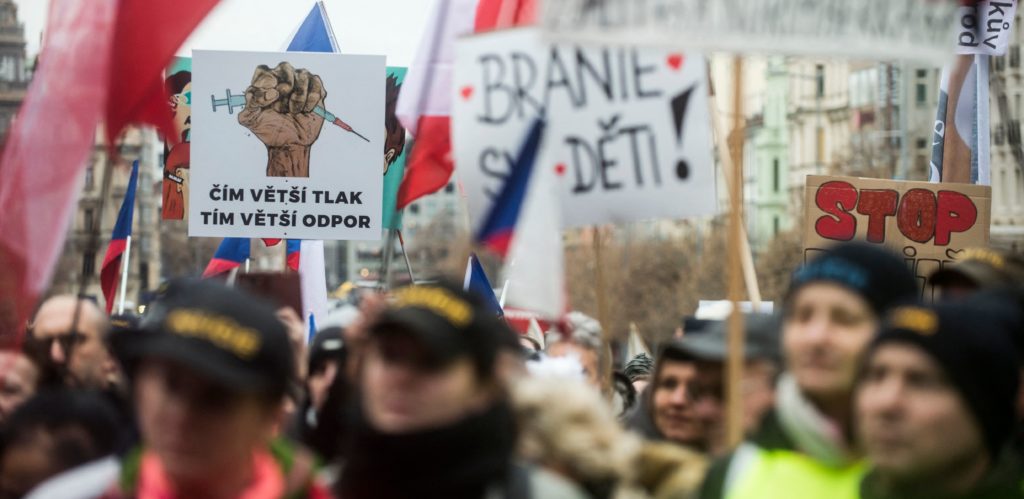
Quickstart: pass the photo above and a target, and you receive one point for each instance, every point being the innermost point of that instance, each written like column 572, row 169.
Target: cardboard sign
column 287, row 145
column 627, row 135
column 929, row 224
column 984, row 28
column 176, row 149
column 873, row 29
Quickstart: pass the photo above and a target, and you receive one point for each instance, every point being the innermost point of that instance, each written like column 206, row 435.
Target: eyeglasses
column 43, row 346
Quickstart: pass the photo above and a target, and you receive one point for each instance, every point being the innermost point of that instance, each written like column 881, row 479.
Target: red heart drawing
column 467, row 92
column 560, row 169
column 675, row 61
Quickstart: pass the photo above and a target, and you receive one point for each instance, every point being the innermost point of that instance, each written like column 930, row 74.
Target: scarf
column 459, row 461
column 810, row 430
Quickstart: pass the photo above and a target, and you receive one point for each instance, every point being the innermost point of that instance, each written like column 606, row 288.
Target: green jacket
column 1002, row 482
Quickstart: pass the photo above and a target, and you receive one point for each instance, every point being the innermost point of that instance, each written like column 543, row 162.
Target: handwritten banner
column 878, row 29
column 929, row 224
column 627, row 135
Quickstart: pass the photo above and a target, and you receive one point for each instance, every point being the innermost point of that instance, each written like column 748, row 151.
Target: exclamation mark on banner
column 679, row 105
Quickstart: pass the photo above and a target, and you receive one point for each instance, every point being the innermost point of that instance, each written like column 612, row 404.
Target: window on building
column 921, row 94
column 820, row 143
column 819, row 77
column 922, row 73
column 90, row 177
column 775, row 225
column 999, row 63
column 89, row 217
column 922, row 143
column 775, row 175
column 144, row 275
column 1015, row 56
column 89, row 263
column 450, row 188
column 414, row 208
column 1016, row 105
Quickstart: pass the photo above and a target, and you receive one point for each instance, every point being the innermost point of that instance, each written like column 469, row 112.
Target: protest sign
column 627, row 130
column 176, row 149
column 960, row 147
column 984, row 28
column 396, row 148
column 287, row 145
column 878, row 29
column 929, row 224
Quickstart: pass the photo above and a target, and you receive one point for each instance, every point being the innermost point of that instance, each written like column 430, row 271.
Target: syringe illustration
column 231, row 101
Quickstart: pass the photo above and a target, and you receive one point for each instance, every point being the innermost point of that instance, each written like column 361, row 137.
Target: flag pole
column 385, row 263
column 405, row 255
column 124, row 273
column 246, row 265
column 602, row 312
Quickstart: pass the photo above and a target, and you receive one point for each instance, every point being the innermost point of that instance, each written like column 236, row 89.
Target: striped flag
column 232, row 253
column 110, row 272
column 476, row 282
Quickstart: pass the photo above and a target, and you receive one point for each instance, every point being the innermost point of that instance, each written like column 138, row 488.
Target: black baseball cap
column 449, row 322
column 983, row 268
column 711, row 343
column 225, row 334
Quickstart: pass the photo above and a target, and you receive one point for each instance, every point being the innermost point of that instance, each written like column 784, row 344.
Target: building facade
column 14, row 67
column 89, row 231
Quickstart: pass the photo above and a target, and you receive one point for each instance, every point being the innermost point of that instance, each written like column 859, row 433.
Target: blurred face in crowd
column 76, row 352
column 319, row 382
column 406, row 390
column 913, row 423
column 200, row 430
column 758, row 391
column 587, row 357
column 674, row 410
column 26, row 464
column 20, row 378
column 708, row 405
column 824, row 334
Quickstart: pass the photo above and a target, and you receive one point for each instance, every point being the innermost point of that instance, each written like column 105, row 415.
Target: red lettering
column 837, row 199
column 877, row 205
column 916, row 218
column 956, row 213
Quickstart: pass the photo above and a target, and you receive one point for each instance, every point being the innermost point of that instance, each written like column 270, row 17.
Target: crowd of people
column 857, row 388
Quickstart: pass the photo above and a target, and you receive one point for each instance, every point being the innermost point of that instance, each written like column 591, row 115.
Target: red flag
column 48, row 144
column 494, row 14
column 147, row 34
column 82, row 74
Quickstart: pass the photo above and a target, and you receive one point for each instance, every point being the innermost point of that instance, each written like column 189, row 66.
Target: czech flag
column 294, row 250
column 110, row 273
column 476, row 282
column 232, row 252
column 497, row 229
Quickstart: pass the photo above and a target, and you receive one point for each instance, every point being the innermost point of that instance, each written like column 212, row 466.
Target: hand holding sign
column 279, row 110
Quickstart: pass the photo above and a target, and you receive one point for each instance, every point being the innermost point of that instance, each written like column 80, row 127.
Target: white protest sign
column 628, row 133
column 877, row 29
column 984, row 28
column 287, row 145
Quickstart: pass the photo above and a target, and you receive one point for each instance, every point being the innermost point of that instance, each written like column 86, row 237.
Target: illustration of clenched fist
column 279, row 110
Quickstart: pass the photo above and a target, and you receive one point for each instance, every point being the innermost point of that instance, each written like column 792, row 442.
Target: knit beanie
column 873, row 272
column 974, row 348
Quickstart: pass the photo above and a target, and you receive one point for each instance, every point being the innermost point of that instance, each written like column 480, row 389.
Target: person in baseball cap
column 979, row 269
column 935, row 405
column 209, row 367
column 433, row 418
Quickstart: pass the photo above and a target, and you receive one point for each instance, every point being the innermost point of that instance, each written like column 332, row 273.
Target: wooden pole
column 605, row 366
column 734, row 370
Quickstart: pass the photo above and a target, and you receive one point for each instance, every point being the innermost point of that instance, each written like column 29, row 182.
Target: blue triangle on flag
column 314, row 34
column 476, row 282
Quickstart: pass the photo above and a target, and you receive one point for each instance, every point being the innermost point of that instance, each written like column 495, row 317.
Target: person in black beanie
column 432, row 416
column 935, row 405
column 830, row 314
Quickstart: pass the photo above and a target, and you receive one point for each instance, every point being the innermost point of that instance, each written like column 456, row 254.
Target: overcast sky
column 379, row 27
